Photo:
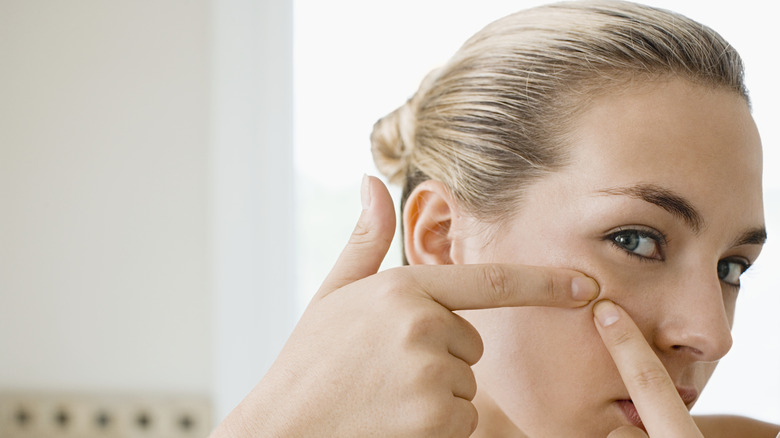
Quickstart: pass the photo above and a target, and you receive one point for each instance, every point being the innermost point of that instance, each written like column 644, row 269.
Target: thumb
column 369, row 241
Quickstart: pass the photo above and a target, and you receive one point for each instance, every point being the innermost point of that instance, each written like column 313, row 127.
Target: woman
column 582, row 191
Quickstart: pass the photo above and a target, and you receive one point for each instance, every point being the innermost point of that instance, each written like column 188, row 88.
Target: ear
column 428, row 217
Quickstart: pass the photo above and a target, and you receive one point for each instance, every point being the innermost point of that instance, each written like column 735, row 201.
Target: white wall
column 252, row 191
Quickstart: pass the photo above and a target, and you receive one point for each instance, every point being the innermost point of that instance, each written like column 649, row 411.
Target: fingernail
column 365, row 192
column 584, row 288
column 606, row 313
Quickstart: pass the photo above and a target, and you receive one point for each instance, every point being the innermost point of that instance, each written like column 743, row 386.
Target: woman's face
column 662, row 205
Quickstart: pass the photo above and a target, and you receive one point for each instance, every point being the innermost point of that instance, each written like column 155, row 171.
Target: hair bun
column 392, row 142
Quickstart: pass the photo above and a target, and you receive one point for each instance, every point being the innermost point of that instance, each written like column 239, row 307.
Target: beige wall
column 103, row 177
column 118, row 134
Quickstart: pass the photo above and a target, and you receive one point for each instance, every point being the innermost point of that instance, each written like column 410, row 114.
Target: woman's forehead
column 697, row 142
column 671, row 128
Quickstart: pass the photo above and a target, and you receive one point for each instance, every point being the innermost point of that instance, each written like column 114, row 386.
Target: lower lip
column 629, row 410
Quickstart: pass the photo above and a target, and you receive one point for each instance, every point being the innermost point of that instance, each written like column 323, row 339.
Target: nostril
column 693, row 350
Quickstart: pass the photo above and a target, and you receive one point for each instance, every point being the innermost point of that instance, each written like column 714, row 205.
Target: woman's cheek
column 638, row 287
column 539, row 344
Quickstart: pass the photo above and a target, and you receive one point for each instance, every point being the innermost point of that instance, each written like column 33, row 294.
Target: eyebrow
column 754, row 236
column 671, row 202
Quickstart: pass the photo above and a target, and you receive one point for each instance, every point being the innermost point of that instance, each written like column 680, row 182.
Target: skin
column 382, row 354
column 546, row 372
column 389, row 354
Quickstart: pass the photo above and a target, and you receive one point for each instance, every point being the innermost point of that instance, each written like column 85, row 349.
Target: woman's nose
column 694, row 320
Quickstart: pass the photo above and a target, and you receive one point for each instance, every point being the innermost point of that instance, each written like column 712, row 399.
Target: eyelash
column 743, row 263
column 662, row 241
column 659, row 238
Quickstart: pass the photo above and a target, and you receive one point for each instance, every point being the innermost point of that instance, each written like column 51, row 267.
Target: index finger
column 652, row 390
column 462, row 287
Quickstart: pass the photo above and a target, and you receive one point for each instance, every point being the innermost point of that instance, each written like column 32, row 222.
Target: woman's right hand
column 651, row 389
column 383, row 354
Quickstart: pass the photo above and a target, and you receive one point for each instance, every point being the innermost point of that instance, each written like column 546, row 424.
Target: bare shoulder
column 727, row 426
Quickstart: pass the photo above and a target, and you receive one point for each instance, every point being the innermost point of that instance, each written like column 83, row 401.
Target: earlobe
column 428, row 216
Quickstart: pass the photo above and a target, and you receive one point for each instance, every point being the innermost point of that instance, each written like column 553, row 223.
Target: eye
column 730, row 270
column 641, row 243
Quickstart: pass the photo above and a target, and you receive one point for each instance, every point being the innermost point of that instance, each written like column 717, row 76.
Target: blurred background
column 178, row 176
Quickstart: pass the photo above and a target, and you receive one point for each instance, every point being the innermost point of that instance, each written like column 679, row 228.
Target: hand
column 653, row 392
column 382, row 354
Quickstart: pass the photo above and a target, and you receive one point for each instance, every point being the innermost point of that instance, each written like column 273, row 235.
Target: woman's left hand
column 656, row 399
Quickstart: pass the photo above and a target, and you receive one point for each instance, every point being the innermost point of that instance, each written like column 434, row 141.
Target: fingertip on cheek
column 584, row 288
column 606, row 313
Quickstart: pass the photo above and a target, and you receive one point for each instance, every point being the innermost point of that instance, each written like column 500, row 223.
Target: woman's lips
column 629, row 410
column 688, row 396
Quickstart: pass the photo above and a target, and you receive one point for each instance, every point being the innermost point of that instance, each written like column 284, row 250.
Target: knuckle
column 650, row 376
column 439, row 417
column 478, row 347
column 432, row 419
column 621, row 338
column 422, row 328
column 463, row 420
column 431, row 370
column 442, row 416
column 362, row 234
column 497, row 280
column 367, row 233
column 471, row 386
column 473, row 417
column 552, row 288
column 394, row 282
column 472, row 340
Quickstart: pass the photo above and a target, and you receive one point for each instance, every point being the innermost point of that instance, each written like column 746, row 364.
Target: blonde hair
column 496, row 116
